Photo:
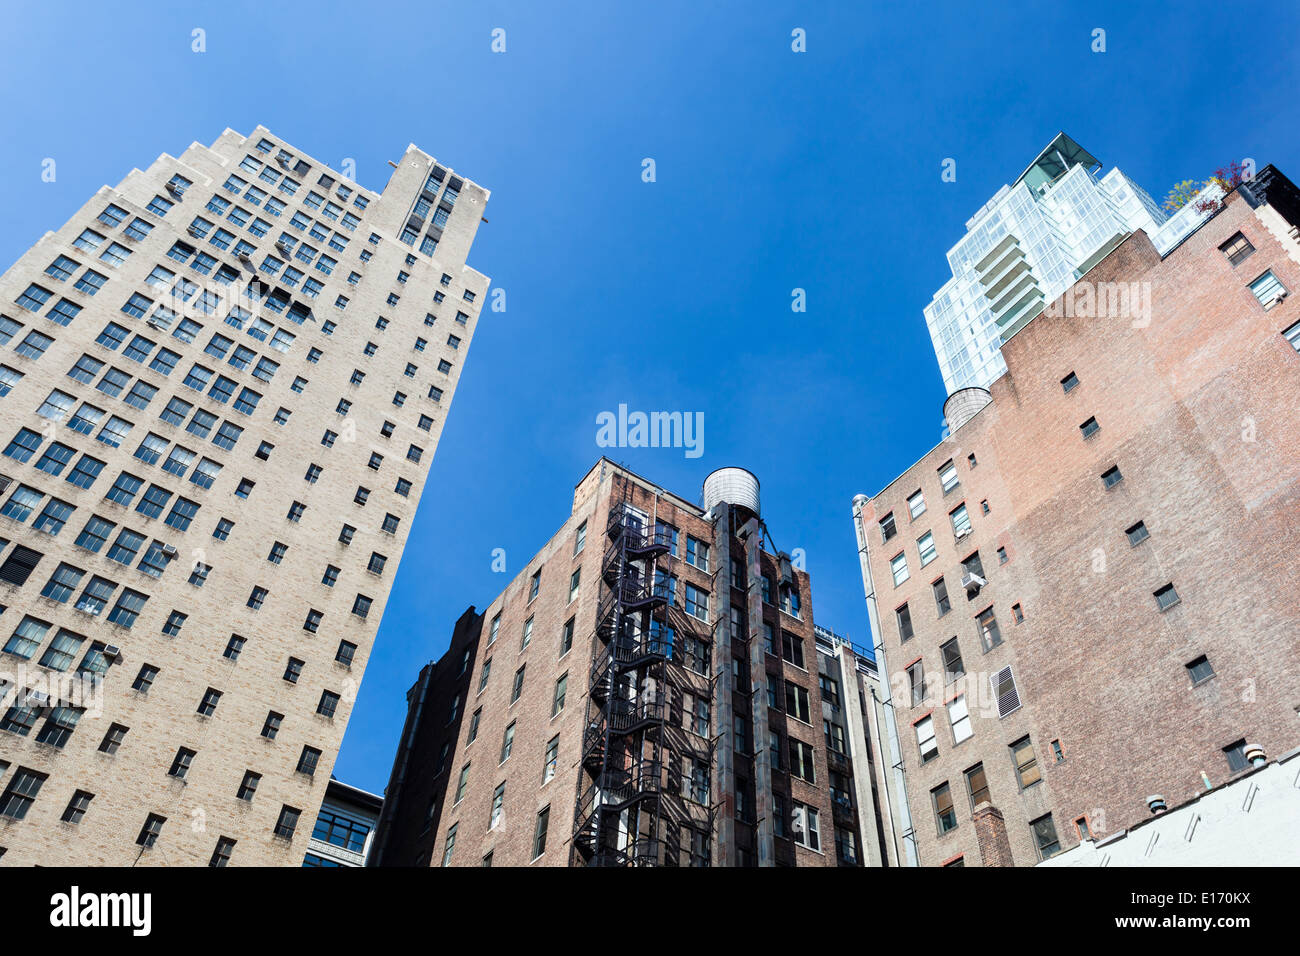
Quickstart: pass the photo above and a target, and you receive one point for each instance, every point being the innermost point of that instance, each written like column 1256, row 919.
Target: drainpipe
column 899, row 810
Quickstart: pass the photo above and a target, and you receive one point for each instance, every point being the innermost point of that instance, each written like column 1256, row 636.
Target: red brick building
column 1085, row 596
column 645, row 692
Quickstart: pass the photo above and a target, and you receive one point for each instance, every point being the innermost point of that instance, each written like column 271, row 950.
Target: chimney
column 991, row 832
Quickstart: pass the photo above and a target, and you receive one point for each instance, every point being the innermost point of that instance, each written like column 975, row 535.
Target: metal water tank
column 962, row 405
column 735, row 486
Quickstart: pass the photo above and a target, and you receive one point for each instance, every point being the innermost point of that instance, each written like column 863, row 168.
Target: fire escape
column 637, row 755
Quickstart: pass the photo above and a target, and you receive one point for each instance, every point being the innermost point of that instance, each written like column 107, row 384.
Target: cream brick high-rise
column 223, row 382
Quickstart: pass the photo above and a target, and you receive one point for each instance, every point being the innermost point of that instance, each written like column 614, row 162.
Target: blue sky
column 775, row 171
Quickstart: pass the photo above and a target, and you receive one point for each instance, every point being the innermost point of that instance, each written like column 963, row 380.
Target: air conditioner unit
column 155, row 324
column 194, row 232
column 5, row 482
column 972, row 581
column 169, row 551
column 282, row 245
column 283, row 161
column 112, row 652
column 1278, row 298
column 174, row 189
column 36, row 698
column 962, row 533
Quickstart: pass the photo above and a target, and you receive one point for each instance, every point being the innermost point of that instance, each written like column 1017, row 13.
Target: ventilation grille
column 1004, row 689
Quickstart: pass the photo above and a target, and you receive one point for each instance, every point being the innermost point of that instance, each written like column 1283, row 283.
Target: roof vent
column 1255, row 755
column 1157, row 804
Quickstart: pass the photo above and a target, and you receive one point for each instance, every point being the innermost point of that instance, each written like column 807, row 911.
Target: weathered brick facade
column 242, row 268
column 707, row 696
column 1196, row 402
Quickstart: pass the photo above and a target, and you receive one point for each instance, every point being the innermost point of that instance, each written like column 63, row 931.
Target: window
column 361, row 606
column 944, row 814
column 77, row 807
column 990, row 634
column 518, row 686
column 63, row 582
column 959, row 719
column 552, row 759
column 308, row 760
column 449, row 845
column 898, row 567
column 507, row 742
column 27, row 638
column 977, row 787
column 24, row 444
column 272, row 725
column 948, row 477
column 287, row 822
column 925, row 546
column 1236, row 754
column 925, row 741
column 128, row 608
column 960, row 521
column 566, row 637
column 1017, row 613
column 941, row 601
column 1293, row 336
column 329, row 702
column 1069, row 382
column 904, row 618
column 805, row 827
column 1022, row 758
column 796, row 702
column 697, row 553
column 801, row 759
column 527, row 635
column 1089, row 428
column 1268, row 290
column 1045, row 840
column 233, row 647
column 346, row 653
column 175, row 621
column 21, row 793
column 1137, row 533
column 222, row 853
column 561, row 690
column 1166, row 597
column 34, row 346
column 916, row 505
column 181, row 764
column 1199, row 669
column 952, row 663
column 1111, row 477
column 916, row 681
column 331, row 576
column 539, row 831
column 145, row 678
column 792, row 649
